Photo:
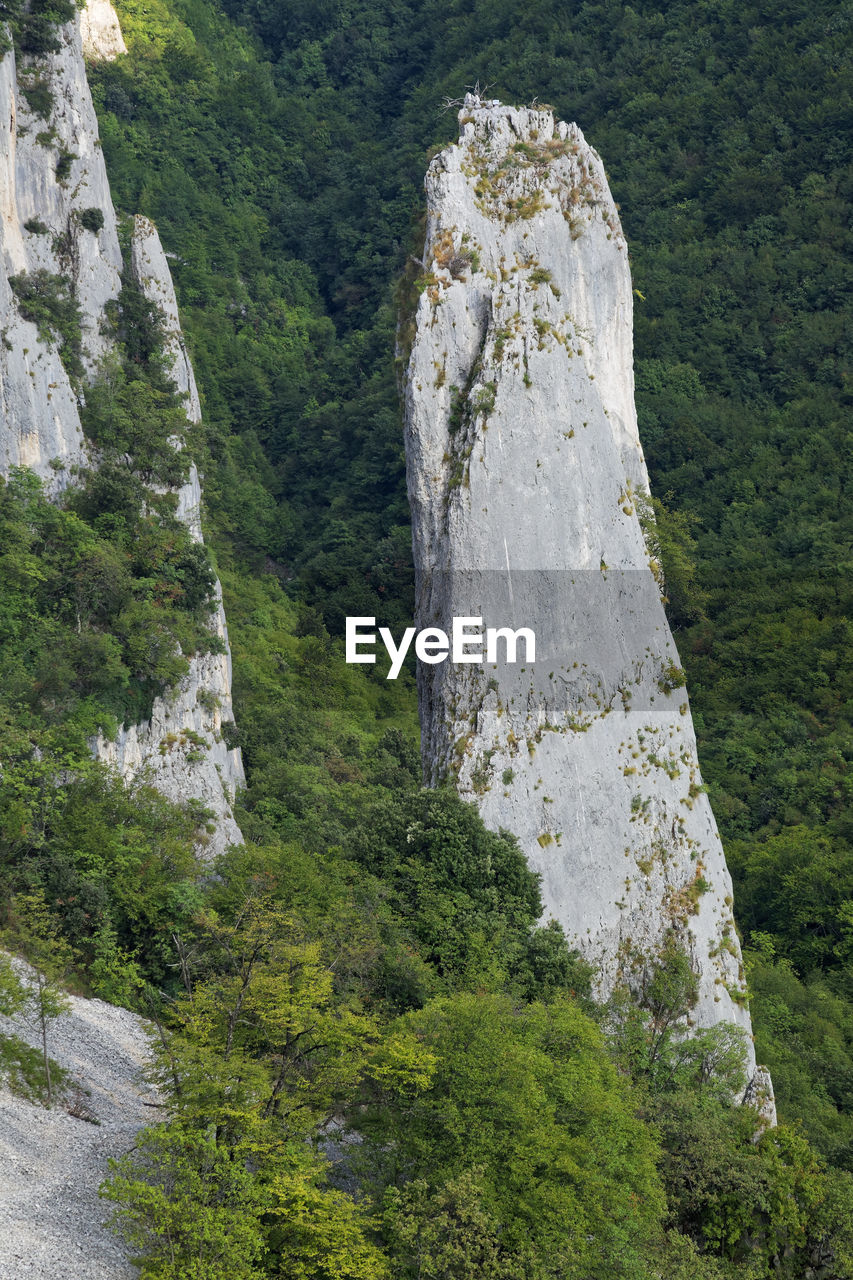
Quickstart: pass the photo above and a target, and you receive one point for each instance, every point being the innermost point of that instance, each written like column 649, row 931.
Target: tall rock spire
column 528, row 488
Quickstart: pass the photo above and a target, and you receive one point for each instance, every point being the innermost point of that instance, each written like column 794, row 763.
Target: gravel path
column 51, row 1164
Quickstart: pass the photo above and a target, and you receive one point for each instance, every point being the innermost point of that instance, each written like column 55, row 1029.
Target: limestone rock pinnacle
column 528, row 491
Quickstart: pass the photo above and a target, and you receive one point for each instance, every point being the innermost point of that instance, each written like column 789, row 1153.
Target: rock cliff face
column 201, row 704
column 51, row 172
column 41, row 230
column 527, row 485
column 100, row 32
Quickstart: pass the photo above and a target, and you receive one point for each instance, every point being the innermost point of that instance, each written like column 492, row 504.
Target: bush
column 92, row 220
column 521, row 1111
column 63, row 165
column 110, row 611
column 133, row 425
column 36, row 31
column 48, row 301
column 38, row 94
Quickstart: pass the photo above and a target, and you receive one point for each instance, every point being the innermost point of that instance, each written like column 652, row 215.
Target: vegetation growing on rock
column 728, row 157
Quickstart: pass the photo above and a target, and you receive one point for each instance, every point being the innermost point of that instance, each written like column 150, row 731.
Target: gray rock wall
column 100, row 32
column 38, row 408
column 527, row 484
column 182, row 748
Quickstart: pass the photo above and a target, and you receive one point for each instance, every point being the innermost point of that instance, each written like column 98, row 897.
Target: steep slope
column 53, row 1161
column 527, row 483
column 60, row 236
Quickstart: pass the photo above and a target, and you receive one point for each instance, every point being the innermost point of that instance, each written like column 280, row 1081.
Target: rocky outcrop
column 100, row 32
column 528, row 486
column 182, row 750
column 150, row 268
column 52, row 178
column 183, row 747
column 51, row 172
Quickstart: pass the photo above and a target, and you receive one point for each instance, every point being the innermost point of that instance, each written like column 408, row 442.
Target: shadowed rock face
column 181, row 749
column 527, row 485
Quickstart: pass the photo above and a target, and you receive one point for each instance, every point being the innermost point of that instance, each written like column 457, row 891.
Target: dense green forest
column 366, row 975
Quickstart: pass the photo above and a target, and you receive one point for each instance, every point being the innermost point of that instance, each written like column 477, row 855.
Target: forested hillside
column 370, row 960
column 288, row 186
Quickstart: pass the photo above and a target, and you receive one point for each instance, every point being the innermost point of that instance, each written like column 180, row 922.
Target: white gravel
column 51, row 1164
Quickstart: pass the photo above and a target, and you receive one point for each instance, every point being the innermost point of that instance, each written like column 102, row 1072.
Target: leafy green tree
column 250, row 1059
column 98, row 600
column 13, row 993
column 193, row 1208
column 446, row 1234
column 467, row 894
column 804, row 1033
column 521, row 1112
column 798, row 887
column 138, row 425
column 315, row 1232
column 765, row 1208
column 16, row 1057
column 647, row 1024
column 188, row 1207
column 258, row 1032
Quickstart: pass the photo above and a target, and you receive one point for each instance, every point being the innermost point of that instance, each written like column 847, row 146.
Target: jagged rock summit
column 528, row 490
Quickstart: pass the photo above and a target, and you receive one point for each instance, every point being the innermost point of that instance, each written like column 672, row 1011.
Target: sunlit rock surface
column 40, row 229
column 527, row 486
column 100, row 32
